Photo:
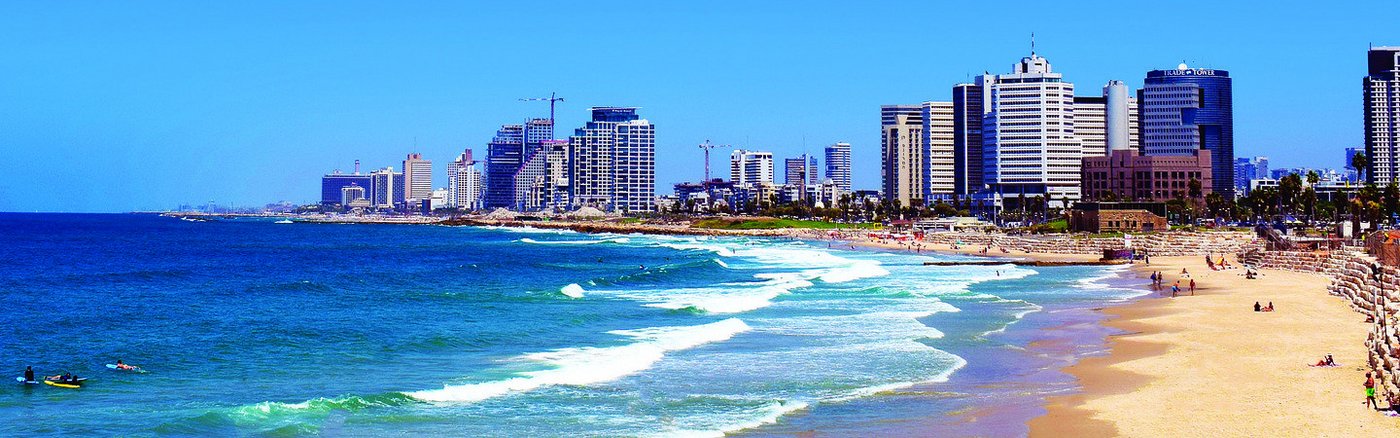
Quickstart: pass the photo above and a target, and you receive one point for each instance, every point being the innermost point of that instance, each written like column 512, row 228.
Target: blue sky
column 118, row 106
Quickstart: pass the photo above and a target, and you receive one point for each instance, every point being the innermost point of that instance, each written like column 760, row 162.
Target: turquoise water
column 249, row 327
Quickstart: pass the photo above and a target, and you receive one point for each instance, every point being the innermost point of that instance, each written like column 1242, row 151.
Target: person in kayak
column 122, row 366
column 29, row 374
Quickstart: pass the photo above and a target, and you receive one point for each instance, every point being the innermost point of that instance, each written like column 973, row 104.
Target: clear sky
column 118, row 106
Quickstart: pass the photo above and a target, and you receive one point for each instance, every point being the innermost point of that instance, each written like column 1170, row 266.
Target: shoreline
column 1208, row 364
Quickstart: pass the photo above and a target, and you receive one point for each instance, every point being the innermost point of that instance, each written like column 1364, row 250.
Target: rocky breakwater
column 1158, row 244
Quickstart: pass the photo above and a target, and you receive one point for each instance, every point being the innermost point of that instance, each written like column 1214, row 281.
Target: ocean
column 247, row 327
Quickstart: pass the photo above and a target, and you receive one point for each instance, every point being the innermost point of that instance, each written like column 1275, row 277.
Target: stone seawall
column 1157, row 244
column 1372, row 289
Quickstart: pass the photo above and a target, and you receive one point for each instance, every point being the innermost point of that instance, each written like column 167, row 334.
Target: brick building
column 1125, row 175
column 1099, row 217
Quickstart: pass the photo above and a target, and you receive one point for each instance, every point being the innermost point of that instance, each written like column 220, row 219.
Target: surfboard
column 61, row 385
column 134, row 369
column 26, row 382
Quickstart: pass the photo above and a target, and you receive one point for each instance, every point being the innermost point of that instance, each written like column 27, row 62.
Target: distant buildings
column 332, row 186
column 1188, row 109
column 1381, row 91
column 417, row 177
column 838, row 165
column 386, row 188
column 800, row 173
column 901, row 154
column 1248, row 169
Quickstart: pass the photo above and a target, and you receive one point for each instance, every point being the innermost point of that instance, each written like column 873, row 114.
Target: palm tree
column 1359, row 162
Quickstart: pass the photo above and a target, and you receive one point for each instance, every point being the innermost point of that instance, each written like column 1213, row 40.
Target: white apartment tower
column 901, row 154
column 1029, row 144
column 464, row 183
column 612, row 162
column 937, row 142
column 1382, row 115
column 750, row 168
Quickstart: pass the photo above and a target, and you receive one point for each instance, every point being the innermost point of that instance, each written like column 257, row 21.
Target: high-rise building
column 968, row 109
column 901, row 154
column 332, row 183
column 838, row 165
column 1107, row 122
column 749, row 168
column 1029, row 145
column 1248, row 169
column 506, row 156
column 463, row 182
column 939, row 170
column 1352, row 173
column 1382, row 115
column 417, row 177
column 795, row 173
column 386, row 188
column 813, row 177
column 1187, row 109
column 613, row 161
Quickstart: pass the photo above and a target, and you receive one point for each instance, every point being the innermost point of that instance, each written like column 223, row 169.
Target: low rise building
column 1126, row 175
column 1103, row 217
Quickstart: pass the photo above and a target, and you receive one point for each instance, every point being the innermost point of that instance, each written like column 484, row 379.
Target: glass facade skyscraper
column 1186, row 109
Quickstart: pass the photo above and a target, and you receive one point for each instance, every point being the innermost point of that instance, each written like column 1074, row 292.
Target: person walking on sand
column 1370, row 391
column 1193, row 287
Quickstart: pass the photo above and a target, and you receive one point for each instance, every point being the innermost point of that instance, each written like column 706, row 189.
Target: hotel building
column 1381, row 90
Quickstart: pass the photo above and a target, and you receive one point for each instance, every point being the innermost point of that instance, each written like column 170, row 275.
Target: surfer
column 29, row 374
column 122, row 366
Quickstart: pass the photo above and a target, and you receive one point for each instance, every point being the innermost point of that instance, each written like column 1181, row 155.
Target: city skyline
column 247, row 114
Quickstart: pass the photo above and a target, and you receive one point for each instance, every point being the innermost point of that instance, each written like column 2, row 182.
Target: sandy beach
column 1208, row 365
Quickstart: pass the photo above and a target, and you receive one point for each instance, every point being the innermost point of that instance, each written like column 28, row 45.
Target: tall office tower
column 838, row 165
column 612, row 161
column 939, row 170
column 1244, row 171
column 795, row 174
column 332, row 183
column 1188, row 109
column 503, row 157
column 463, row 182
column 417, row 177
column 556, row 178
column 969, row 102
column 386, row 188
column 1028, row 136
column 901, row 154
column 750, row 168
column 813, row 177
column 1382, row 115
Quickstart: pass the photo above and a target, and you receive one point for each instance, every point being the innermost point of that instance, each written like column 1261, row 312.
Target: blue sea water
column 247, row 327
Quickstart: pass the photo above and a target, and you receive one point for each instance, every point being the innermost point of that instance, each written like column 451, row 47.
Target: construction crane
column 552, row 98
column 707, row 146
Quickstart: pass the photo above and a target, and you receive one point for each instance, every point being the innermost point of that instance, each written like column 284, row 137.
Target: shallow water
column 250, row 327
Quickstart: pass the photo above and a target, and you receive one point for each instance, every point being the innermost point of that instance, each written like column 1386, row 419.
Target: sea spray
column 573, row 290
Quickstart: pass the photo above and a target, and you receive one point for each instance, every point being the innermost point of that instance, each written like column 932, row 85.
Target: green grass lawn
column 770, row 223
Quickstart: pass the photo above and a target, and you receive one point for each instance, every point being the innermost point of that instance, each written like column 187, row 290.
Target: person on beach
column 1176, row 287
column 1270, row 308
column 1257, row 307
column 1330, row 362
column 1370, row 391
column 1193, row 287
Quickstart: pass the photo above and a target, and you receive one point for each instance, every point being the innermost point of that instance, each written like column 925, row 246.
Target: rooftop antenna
column 357, row 167
column 1032, row 43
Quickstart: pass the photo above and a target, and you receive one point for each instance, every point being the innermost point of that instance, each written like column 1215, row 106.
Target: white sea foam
column 768, row 414
column 531, row 230
column 573, row 290
column 723, row 298
column 721, row 263
column 591, row 365
column 574, row 242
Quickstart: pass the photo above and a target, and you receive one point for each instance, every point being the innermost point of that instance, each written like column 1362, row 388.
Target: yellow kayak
column 61, row 384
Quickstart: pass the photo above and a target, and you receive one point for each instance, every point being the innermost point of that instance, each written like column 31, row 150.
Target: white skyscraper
column 418, row 178
column 748, row 168
column 838, row 165
column 1028, row 133
column 612, row 162
column 1100, row 121
column 937, row 143
column 386, row 188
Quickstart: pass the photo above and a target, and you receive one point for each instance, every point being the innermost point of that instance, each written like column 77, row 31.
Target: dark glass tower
column 1187, row 109
column 967, row 138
